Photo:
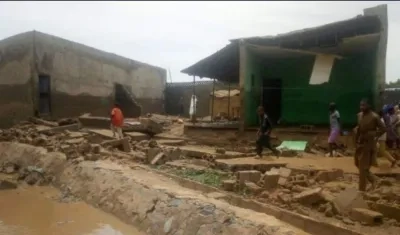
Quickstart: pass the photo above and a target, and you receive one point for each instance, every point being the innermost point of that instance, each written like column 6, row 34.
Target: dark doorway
column 44, row 95
column 127, row 101
column 272, row 98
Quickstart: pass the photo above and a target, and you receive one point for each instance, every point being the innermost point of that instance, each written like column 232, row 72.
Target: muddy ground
column 172, row 183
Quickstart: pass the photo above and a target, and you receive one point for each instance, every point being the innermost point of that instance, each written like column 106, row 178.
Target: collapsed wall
column 149, row 201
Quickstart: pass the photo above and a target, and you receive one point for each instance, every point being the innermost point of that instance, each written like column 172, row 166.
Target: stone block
column 152, row 153
column 329, row 175
column 158, row 159
column 390, row 211
column 366, row 216
column 252, row 176
column 349, row 199
column 229, row 185
column 252, row 187
column 271, row 179
column 151, row 126
column 285, row 172
column 96, row 148
column 309, row 197
column 173, row 154
column 122, row 144
column 283, row 181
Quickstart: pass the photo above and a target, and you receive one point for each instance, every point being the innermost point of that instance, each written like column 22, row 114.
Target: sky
column 175, row 35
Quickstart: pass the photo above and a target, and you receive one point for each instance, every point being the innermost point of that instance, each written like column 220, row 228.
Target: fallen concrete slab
column 105, row 133
column 199, row 152
column 42, row 122
column 171, row 142
column 137, row 136
column 144, row 125
column 243, row 164
column 95, row 122
column 168, row 137
column 75, row 134
column 122, row 144
column 73, row 127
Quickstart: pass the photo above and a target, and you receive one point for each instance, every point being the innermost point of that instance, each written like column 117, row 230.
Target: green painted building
column 296, row 75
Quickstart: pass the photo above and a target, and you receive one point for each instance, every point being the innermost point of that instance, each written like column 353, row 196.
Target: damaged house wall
column 174, row 91
column 16, row 92
column 83, row 78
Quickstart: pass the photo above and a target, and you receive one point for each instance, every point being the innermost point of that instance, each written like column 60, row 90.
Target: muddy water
column 36, row 211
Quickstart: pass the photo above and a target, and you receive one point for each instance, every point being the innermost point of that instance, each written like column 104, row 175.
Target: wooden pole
column 229, row 99
column 213, row 98
column 194, row 100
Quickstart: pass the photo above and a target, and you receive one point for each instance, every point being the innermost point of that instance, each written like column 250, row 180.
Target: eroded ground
column 130, row 178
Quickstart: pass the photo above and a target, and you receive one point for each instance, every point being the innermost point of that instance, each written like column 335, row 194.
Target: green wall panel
column 352, row 79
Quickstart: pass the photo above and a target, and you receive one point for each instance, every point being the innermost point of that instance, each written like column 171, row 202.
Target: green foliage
column 395, row 84
column 208, row 177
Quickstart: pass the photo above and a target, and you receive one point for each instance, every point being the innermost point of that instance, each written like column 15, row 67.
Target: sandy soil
column 150, row 202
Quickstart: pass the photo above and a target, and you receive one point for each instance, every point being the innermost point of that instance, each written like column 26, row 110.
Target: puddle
column 32, row 211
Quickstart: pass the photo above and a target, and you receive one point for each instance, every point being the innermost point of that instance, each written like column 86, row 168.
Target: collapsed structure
column 48, row 75
column 297, row 74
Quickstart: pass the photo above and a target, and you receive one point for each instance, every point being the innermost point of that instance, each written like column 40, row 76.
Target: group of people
column 372, row 134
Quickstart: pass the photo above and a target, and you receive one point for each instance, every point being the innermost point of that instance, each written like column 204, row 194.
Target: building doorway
column 44, row 95
column 272, row 98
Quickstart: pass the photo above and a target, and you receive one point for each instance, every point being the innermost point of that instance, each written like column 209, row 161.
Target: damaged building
column 50, row 76
column 296, row 75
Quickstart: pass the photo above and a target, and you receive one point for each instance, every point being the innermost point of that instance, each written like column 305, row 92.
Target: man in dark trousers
column 263, row 134
column 369, row 129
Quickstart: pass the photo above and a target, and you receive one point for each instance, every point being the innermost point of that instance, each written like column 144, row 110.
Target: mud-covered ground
column 307, row 183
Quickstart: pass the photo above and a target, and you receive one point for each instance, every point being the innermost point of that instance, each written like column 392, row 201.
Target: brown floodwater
column 36, row 211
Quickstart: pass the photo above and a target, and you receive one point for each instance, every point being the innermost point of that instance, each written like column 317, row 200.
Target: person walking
column 117, row 120
column 334, row 120
column 392, row 137
column 181, row 107
column 368, row 129
column 263, row 134
column 381, row 145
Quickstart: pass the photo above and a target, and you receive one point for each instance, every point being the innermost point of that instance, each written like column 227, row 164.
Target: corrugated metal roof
column 225, row 93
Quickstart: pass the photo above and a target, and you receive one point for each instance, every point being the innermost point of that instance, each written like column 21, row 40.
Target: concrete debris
column 390, row 211
column 157, row 159
column 366, row 216
column 349, row 199
column 122, row 144
column 42, row 122
column 271, row 179
column 329, row 175
column 251, row 176
column 252, row 187
column 220, row 150
column 6, row 185
column 229, row 185
column 310, row 197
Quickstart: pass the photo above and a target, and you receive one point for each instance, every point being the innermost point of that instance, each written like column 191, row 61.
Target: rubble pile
column 78, row 144
column 330, row 193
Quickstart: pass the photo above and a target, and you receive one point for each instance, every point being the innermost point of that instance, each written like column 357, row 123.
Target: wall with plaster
column 83, row 78
column 16, row 92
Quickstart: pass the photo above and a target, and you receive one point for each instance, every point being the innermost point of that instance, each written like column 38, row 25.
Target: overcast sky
column 174, row 35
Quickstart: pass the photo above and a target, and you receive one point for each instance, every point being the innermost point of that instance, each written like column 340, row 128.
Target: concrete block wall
column 16, row 94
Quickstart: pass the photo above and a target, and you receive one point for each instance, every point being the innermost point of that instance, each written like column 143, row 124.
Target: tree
column 395, row 84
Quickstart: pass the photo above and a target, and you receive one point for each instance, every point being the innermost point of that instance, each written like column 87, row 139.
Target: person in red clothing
column 117, row 120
